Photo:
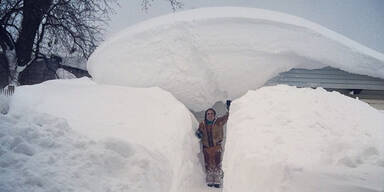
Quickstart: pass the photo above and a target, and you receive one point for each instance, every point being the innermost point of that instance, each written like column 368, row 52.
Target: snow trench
column 115, row 138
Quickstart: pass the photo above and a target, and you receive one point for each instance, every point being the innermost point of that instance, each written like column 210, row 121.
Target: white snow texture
column 150, row 144
column 42, row 153
column 110, row 138
column 307, row 140
column 81, row 135
column 210, row 54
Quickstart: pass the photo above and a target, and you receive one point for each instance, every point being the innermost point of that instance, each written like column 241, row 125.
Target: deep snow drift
column 359, row 20
column 111, row 138
column 41, row 153
column 137, row 139
column 306, row 140
column 210, row 54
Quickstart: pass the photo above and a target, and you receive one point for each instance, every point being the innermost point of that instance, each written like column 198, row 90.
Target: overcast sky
column 360, row 20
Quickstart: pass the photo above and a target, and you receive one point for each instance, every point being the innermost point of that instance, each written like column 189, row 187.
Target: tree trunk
column 33, row 12
column 4, row 71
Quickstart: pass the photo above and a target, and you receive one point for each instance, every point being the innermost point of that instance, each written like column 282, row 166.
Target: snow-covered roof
column 211, row 54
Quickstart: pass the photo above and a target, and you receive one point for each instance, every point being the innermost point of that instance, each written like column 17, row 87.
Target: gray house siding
column 327, row 77
column 366, row 88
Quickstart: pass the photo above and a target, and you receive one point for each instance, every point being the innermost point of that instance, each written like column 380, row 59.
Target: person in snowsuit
column 211, row 133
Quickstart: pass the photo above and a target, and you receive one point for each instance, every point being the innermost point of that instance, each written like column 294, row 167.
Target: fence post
column 8, row 91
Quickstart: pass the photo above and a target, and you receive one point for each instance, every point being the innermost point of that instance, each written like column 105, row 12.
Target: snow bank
column 150, row 139
column 76, row 135
column 210, row 54
column 42, row 153
column 298, row 140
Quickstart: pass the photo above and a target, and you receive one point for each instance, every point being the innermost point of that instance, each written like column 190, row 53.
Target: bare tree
column 175, row 4
column 32, row 29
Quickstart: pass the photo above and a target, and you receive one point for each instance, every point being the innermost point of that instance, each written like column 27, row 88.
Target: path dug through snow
column 201, row 56
column 143, row 140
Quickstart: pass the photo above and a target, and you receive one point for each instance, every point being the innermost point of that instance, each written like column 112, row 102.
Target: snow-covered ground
column 41, row 153
column 85, row 135
column 210, row 54
column 137, row 139
column 75, row 135
column 287, row 139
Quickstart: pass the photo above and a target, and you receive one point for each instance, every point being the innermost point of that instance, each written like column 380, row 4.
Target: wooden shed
column 366, row 88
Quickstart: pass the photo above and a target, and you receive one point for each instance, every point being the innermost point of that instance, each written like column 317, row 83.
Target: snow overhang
column 211, row 54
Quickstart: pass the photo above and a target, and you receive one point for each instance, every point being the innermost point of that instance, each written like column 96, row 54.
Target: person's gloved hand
column 228, row 104
column 199, row 134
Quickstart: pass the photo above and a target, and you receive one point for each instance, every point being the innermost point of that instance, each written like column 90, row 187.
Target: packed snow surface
column 285, row 139
column 42, row 153
column 76, row 135
column 101, row 138
column 210, row 54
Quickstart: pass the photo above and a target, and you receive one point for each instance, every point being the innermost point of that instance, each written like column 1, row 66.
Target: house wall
column 378, row 104
column 327, row 77
column 366, row 88
column 37, row 72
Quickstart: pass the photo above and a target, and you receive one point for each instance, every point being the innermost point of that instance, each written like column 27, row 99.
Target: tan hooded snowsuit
column 212, row 138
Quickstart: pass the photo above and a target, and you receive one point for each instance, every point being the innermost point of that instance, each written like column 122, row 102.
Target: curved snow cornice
column 210, row 54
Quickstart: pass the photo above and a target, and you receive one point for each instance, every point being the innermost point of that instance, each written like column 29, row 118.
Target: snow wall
column 76, row 135
column 310, row 140
column 110, row 138
column 205, row 55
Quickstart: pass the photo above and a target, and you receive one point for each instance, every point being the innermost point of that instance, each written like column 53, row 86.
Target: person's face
column 210, row 115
